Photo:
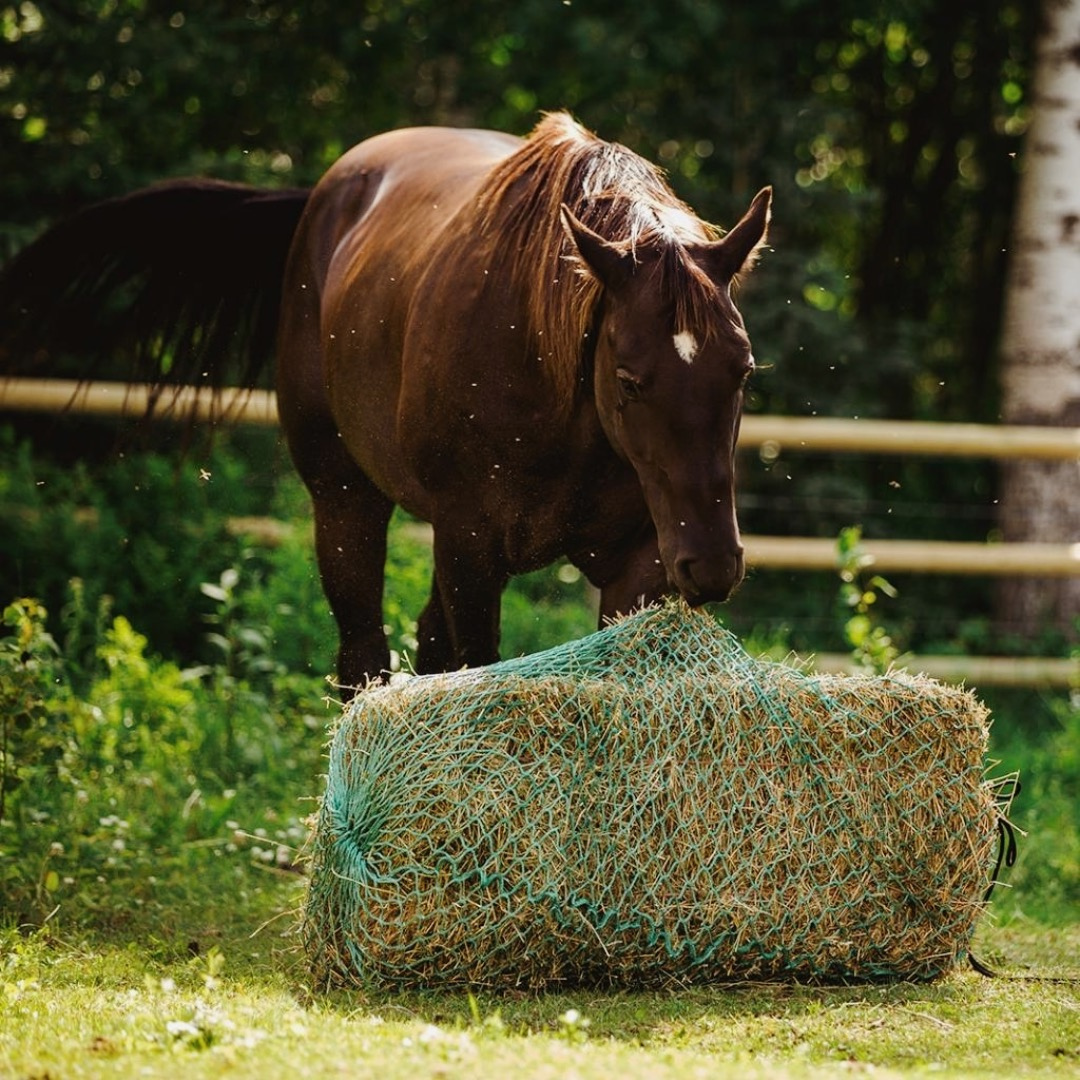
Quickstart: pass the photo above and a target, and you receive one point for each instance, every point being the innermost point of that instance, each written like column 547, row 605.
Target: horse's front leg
column 435, row 650
column 351, row 519
column 350, row 544
column 640, row 580
column 460, row 625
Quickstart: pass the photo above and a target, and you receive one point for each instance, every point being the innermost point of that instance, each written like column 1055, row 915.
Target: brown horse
column 530, row 344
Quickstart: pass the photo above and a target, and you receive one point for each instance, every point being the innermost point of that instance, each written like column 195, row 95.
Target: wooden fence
column 771, row 433
column 795, row 433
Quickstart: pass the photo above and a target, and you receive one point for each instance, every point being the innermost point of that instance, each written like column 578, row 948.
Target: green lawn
column 148, row 927
column 199, row 975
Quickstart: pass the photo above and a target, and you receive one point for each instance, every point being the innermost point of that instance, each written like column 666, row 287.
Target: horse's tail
column 180, row 281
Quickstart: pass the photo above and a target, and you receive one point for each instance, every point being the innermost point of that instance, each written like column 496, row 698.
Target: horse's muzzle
column 707, row 580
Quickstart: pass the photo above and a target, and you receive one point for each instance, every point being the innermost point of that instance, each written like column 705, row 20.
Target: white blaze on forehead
column 686, row 345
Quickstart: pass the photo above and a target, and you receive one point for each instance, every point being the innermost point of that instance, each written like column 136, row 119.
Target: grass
column 147, row 929
column 196, row 973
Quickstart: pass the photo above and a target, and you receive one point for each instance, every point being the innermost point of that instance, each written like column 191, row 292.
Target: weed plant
column 108, row 791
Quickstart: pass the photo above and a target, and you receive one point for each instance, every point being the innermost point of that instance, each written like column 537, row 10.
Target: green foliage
column 149, row 761
column 110, row 754
column 1045, row 882
column 871, row 644
column 139, row 531
column 167, row 542
column 409, row 568
column 546, row 608
column 29, row 738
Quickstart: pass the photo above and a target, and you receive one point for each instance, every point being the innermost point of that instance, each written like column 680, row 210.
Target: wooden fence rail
column 133, row 399
column 906, row 437
column 1032, row 672
column 783, row 433
column 919, row 556
column 795, row 433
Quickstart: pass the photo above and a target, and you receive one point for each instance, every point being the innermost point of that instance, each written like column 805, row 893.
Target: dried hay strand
column 645, row 807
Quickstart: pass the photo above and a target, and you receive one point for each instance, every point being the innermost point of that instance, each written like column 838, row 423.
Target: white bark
column 1040, row 347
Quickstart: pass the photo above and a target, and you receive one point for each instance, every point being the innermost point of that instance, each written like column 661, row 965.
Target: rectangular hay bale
column 650, row 806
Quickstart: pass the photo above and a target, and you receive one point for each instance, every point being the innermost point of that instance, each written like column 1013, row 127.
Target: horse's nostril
column 701, row 580
column 684, row 578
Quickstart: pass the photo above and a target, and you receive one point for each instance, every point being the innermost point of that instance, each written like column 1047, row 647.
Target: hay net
column 645, row 807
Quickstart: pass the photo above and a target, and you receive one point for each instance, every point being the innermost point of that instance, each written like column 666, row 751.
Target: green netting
column 648, row 806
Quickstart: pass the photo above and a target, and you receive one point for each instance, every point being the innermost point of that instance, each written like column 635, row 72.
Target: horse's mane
column 618, row 195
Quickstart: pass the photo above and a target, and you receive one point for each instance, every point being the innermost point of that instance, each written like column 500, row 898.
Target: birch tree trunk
column 1040, row 346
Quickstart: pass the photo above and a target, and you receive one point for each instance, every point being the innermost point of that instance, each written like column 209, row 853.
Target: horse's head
column 669, row 375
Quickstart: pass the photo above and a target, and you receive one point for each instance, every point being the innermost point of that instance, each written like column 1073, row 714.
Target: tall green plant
column 871, row 643
column 29, row 665
column 108, row 785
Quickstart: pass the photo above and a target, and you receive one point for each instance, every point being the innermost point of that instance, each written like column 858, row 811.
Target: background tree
column 1041, row 337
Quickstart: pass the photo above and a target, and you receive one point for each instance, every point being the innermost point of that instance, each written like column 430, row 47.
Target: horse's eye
column 629, row 387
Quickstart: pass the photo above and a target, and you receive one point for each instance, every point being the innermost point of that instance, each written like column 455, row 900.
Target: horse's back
column 412, row 177
column 410, row 153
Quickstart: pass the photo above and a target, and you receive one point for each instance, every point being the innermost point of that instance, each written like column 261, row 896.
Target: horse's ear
column 737, row 251
column 611, row 265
